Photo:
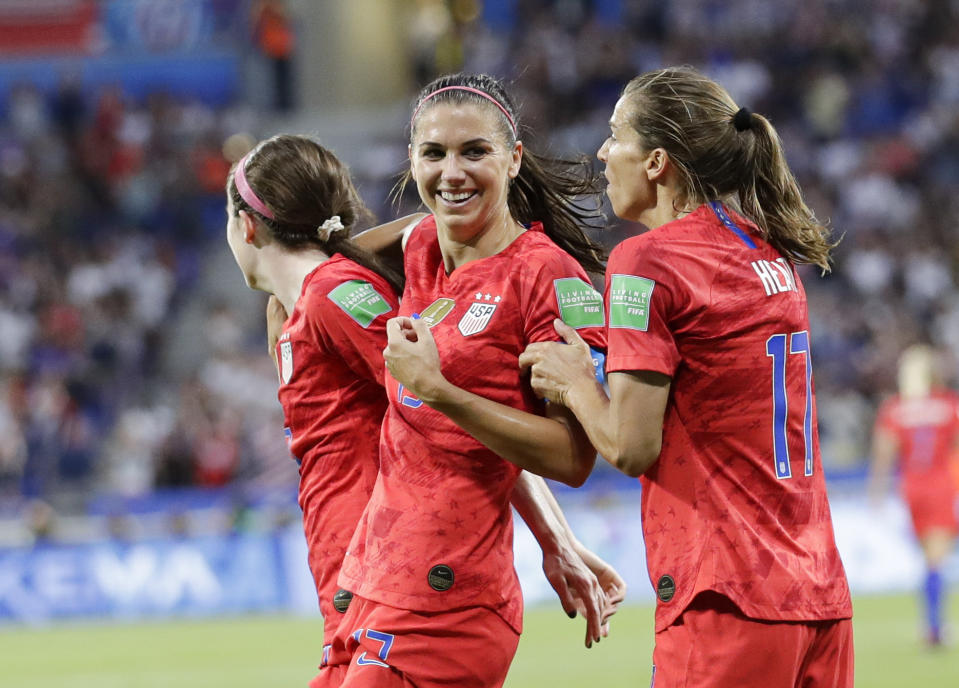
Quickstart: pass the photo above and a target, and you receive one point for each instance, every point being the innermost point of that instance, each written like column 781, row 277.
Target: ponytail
column 770, row 196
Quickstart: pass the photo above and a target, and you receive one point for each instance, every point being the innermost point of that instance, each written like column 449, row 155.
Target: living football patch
column 579, row 304
column 629, row 301
column 360, row 301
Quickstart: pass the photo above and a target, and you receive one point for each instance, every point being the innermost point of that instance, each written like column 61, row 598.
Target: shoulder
column 342, row 287
column 538, row 253
column 424, row 232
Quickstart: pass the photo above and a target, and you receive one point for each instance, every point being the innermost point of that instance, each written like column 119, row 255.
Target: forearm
column 388, row 236
column 541, row 445
column 590, row 404
column 536, row 505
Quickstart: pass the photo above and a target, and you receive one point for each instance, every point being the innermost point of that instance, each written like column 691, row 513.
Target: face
column 236, row 238
column 630, row 190
column 462, row 166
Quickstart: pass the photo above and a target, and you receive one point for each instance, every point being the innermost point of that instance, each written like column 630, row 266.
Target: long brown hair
column 563, row 194
column 723, row 152
column 303, row 185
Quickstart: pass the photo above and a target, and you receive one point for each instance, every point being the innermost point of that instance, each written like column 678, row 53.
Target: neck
column 499, row 233
column 668, row 207
column 283, row 273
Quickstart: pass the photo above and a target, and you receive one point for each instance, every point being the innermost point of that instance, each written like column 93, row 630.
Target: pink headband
column 246, row 193
column 478, row 92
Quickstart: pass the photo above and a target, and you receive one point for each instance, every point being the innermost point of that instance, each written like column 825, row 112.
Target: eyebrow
column 471, row 142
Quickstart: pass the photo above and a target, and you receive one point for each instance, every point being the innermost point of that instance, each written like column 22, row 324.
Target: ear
column 656, row 165
column 516, row 160
column 409, row 154
column 249, row 227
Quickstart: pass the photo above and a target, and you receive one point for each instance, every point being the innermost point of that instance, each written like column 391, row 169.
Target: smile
column 456, row 198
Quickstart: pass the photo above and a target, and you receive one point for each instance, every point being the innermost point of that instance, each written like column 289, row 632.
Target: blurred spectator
column 110, row 210
column 275, row 38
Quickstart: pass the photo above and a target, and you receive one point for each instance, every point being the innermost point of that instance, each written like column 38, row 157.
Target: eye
column 475, row 152
column 432, row 153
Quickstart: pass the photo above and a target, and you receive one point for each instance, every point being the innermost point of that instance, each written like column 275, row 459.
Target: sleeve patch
column 360, row 301
column 579, row 304
column 629, row 298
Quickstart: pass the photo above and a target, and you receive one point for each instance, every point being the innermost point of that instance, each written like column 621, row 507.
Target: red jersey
column 736, row 502
column 926, row 429
column 330, row 357
column 437, row 533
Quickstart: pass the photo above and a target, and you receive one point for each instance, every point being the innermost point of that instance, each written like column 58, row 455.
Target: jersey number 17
column 781, row 348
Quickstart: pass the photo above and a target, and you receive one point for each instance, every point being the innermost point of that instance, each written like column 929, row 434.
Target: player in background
column 711, row 398
column 919, row 429
column 290, row 207
column 437, row 600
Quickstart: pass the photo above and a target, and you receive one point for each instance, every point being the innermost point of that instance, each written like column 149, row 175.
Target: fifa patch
column 286, row 361
column 440, row 578
column 665, row 588
column 579, row 304
column 477, row 317
column 629, row 298
column 436, row 311
column 360, row 301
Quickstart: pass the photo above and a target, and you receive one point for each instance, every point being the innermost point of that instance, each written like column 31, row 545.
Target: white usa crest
column 476, row 318
column 286, row 360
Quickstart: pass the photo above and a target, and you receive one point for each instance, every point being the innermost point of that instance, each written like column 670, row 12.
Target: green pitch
column 253, row 652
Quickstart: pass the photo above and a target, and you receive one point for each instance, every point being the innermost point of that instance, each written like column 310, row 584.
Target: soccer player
column 919, row 428
column 436, row 598
column 290, row 206
column 711, row 399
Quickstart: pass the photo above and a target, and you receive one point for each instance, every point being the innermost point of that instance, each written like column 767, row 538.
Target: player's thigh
column 712, row 645
column 830, row 662
column 469, row 648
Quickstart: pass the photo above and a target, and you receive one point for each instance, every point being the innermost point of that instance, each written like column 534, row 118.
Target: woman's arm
column 555, row 446
column 580, row 588
column 626, row 427
column 390, row 236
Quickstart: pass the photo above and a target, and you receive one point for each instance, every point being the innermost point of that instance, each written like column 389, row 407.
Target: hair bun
column 743, row 119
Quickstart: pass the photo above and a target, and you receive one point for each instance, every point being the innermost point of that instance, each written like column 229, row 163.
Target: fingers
column 566, row 597
column 594, row 602
column 569, row 335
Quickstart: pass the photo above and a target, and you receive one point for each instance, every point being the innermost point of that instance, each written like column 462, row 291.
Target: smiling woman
column 486, row 275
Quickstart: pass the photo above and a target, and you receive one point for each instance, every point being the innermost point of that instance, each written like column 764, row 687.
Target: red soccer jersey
column 736, row 502
column 437, row 533
column 926, row 429
column 330, row 358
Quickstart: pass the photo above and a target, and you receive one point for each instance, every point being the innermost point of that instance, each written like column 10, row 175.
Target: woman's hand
column 412, row 358
column 555, row 368
column 612, row 583
column 580, row 591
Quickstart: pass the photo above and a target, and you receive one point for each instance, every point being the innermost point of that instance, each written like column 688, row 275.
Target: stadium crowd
column 110, row 209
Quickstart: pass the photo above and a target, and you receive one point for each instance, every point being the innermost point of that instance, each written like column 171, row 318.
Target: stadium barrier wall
column 267, row 572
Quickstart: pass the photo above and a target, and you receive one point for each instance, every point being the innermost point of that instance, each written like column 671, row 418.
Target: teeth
column 453, row 197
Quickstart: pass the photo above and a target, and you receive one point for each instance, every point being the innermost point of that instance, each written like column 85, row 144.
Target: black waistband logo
column 341, row 600
column 665, row 588
column 440, row 578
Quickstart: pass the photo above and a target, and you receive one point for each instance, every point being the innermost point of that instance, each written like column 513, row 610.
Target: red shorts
column 378, row 646
column 712, row 645
column 932, row 508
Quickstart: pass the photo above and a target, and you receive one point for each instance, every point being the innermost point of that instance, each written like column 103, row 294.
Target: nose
column 452, row 169
column 601, row 153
